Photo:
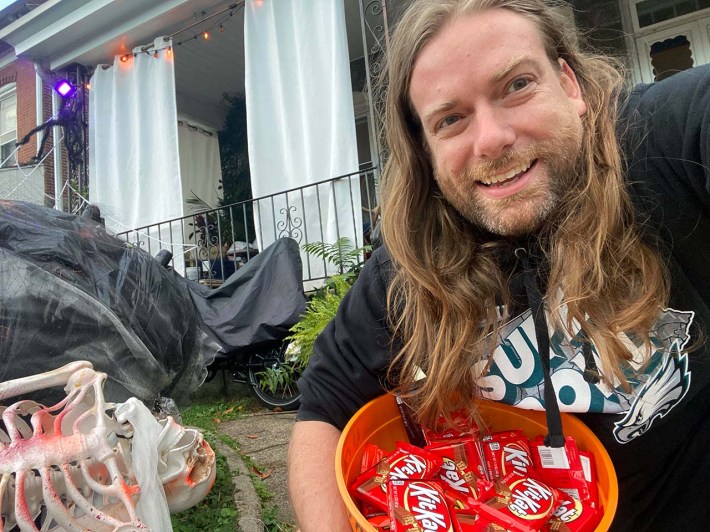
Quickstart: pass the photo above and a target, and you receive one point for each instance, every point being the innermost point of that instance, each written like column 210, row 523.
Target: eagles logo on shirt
column 659, row 379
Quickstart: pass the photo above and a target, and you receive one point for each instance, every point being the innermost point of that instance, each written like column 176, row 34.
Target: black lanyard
column 554, row 437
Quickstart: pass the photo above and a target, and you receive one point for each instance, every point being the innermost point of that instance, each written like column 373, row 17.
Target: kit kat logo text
column 568, row 510
column 515, row 458
column 530, row 499
column 407, row 467
column 451, row 475
column 428, row 507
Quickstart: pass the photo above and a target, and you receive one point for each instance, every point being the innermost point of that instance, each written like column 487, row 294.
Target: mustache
column 508, row 160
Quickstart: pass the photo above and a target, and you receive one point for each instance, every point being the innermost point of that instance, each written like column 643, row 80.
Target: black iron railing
column 211, row 244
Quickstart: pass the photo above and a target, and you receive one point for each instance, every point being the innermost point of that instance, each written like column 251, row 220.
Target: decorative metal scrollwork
column 375, row 19
column 206, row 236
column 138, row 241
column 375, row 27
column 291, row 226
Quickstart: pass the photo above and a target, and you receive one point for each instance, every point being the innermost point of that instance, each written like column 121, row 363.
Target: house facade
column 25, row 101
column 656, row 37
column 46, row 40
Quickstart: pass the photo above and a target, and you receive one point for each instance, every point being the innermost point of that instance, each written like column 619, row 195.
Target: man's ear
column 569, row 83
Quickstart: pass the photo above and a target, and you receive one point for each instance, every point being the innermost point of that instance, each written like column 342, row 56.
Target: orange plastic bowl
column 379, row 422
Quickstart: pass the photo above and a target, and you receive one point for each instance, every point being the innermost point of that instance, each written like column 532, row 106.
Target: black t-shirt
column 657, row 435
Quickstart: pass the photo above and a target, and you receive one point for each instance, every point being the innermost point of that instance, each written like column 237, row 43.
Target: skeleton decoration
column 85, row 464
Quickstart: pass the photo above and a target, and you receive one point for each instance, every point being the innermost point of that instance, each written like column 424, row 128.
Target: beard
column 526, row 211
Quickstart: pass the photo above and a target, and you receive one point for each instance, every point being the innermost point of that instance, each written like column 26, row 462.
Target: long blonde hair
column 442, row 300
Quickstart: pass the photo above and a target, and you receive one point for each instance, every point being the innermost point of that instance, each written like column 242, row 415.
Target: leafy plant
column 321, row 308
column 280, row 378
column 319, row 311
column 342, row 254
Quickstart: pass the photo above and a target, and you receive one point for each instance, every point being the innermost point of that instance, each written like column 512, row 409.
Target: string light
column 205, row 33
column 232, row 8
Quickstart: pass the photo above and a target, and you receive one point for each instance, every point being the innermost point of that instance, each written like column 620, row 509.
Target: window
column 650, row 12
column 8, row 124
column 671, row 56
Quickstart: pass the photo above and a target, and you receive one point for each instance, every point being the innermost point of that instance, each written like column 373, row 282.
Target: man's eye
column 448, row 121
column 518, row 84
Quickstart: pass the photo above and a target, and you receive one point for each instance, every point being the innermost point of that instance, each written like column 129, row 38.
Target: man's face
column 502, row 122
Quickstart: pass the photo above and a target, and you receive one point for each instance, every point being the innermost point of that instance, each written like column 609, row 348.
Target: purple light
column 64, row 88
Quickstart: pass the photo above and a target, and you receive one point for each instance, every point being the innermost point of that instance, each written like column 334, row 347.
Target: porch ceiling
column 62, row 32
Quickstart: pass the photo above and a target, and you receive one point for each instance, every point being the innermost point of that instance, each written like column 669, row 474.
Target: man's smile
column 504, row 177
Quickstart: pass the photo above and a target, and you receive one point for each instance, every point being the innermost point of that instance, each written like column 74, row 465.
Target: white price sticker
column 553, row 457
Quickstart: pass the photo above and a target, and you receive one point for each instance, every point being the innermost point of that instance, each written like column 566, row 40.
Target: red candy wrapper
column 572, row 515
column 408, row 462
column 370, row 487
column 462, row 428
column 380, row 522
column 506, row 452
column 462, row 472
column 371, row 454
column 405, row 463
column 589, row 467
column 473, row 521
column 521, row 503
column 418, row 506
column 561, row 467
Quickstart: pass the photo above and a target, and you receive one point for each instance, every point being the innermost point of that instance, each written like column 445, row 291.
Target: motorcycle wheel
column 286, row 396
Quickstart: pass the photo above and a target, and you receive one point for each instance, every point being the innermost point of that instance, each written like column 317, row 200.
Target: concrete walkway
column 263, row 437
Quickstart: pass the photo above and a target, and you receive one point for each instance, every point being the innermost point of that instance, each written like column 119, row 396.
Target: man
column 546, row 246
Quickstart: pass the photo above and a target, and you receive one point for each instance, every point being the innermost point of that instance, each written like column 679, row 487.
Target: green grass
column 217, row 511
column 208, row 415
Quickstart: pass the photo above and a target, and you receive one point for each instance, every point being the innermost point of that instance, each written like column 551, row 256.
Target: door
column 670, row 35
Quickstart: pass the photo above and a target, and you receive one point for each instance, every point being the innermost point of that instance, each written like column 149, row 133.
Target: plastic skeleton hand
column 84, row 464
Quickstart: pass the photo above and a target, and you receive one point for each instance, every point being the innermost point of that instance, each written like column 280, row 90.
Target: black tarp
column 71, row 291
column 259, row 303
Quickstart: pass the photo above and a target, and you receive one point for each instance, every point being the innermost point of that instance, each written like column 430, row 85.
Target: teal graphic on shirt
column 659, row 380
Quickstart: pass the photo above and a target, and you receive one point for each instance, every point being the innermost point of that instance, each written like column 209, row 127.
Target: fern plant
column 320, row 309
column 342, row 254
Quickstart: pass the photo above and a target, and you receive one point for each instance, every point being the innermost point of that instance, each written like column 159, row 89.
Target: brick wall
column 22, row 73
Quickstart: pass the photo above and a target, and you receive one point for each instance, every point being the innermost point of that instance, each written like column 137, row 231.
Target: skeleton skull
column 84, row 463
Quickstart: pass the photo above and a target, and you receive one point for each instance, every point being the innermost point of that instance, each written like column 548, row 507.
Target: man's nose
column 493, row 133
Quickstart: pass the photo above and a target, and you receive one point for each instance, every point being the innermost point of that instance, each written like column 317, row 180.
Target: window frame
column 7, row 91
column 637, row 29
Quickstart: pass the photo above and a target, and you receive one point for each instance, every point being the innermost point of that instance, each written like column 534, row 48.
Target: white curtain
column 201, row 172
column 200, row 167
column 301, row 122
column 133, row 147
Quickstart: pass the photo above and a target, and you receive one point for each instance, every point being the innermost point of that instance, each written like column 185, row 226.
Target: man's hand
column 314, row 494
